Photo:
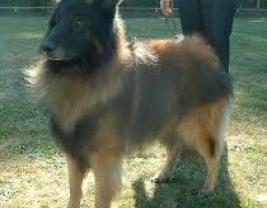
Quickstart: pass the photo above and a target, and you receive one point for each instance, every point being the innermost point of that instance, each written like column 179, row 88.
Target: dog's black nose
column 48, row 46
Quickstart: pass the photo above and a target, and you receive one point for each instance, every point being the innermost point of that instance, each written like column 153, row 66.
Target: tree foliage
column 25, row 2
column 128, row 3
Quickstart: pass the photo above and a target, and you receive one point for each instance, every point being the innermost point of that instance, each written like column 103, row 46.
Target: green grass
column 32, row 168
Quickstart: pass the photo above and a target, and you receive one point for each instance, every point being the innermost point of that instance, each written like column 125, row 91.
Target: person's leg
column 218, row 19
column 190, row 16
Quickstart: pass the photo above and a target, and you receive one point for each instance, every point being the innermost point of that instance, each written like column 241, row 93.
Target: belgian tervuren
column 107, row 97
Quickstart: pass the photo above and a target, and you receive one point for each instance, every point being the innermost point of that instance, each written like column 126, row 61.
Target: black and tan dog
column 107, row 98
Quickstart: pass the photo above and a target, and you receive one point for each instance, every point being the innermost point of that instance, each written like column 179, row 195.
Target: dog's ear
column 55, row 3
column 110, row 5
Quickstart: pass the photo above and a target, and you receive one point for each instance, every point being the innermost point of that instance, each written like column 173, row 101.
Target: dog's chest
column 68, row 105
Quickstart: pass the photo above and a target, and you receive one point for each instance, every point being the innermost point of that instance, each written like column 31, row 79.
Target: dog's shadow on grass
column 181, row 192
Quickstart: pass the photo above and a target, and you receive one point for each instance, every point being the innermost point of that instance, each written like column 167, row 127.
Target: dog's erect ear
column 55, row 2
column 110, row 5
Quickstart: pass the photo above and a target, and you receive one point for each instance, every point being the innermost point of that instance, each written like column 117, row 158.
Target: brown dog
column 107, row 98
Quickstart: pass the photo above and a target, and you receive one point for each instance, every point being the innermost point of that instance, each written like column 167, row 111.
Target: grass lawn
column 32, row 168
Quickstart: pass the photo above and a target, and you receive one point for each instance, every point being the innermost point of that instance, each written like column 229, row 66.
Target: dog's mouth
column 53, row 57
column 57, row 54
column 64, row 61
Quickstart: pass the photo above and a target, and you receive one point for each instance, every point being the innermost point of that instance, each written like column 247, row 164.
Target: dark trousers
column 211, row 18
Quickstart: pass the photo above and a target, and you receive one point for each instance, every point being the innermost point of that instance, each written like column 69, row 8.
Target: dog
column 107, row 98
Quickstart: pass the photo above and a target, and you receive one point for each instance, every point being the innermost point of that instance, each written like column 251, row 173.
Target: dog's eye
column 76, row 16
column 78, row 26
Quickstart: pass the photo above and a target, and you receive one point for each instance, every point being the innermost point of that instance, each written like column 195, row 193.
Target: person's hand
column 166, row 7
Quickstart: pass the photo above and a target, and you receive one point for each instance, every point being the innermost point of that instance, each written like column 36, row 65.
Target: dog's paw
column 203, row 193
column 73, row 205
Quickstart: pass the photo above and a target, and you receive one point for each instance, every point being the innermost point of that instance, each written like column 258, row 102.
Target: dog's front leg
column 76, row 175
column 106, row 165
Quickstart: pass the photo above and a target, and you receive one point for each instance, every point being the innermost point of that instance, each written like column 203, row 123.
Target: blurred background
column 130, row 7
column 32, row 167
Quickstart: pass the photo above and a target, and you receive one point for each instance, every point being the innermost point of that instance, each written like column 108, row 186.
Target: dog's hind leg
column 76, row 175
column 106, row 165
column 210, row 143
column 208, row 150
column 173, row 150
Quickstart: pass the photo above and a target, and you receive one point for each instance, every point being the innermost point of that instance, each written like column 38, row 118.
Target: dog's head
column 81, row 30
